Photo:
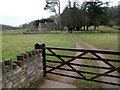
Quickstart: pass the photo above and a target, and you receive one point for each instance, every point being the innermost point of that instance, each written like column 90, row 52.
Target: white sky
column 17, row 12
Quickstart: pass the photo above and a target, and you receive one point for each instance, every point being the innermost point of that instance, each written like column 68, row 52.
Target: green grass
column 37, row 83
column 105, row 28
column 14, row 42
column 101, row 41
column 108, row 29
column 13, row 32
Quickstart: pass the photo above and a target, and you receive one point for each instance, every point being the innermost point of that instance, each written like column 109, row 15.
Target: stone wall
column 59, row 32
column 44, row 32
column 23, row 72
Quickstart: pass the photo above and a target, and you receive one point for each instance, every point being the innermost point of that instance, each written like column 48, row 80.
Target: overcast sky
column 17, row 12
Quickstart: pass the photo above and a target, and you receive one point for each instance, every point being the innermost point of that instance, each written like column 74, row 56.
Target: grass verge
column 37, row 83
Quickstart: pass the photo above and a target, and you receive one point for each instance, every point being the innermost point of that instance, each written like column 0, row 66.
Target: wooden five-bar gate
column 110, row 67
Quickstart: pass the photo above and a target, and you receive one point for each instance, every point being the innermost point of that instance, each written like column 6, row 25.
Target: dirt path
column 54, row 81
column 55, row 84
column 67, row 79
column 100, row 63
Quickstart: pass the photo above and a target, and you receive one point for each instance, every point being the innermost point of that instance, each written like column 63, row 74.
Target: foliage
column 114, row 15
column 51, row 6
column 46, row 20
column 24, row 26
column 94, row 13
column 71, row 18
column 90, row 13
column 97, row 13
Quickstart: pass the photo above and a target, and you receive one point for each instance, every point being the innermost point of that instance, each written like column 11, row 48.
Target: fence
column 31, row 66
column 82, row 56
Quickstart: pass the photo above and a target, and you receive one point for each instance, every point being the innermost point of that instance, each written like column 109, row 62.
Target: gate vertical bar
column 42, row 47
column 119, row 81
column 44, row 60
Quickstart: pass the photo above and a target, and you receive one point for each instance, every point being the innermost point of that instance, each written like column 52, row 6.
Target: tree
column 46, row 20
column 119, row 14
column 114, row 15
column 90, row 13
column 94, row 12
column 71, row 17
column 8, row 27
column 50, row 5
column 24, row 26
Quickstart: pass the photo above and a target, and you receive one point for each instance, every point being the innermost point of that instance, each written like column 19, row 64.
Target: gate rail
column 97, row 57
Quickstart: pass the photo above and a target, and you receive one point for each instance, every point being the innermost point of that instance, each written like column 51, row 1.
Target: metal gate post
column 42, row 46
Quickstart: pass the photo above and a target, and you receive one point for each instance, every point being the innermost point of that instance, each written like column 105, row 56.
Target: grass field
column 101, row 41
column 14, row 43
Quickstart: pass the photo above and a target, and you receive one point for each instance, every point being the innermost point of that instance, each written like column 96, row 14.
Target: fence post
column 42, row 46
column 118, row 72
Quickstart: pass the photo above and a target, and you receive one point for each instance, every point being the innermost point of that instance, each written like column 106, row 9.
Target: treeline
column 89, row 14
column 8, row 27
column 81, row 16
column 114, row 16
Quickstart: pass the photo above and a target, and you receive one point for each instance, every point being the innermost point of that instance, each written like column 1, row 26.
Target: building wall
column 47, row 26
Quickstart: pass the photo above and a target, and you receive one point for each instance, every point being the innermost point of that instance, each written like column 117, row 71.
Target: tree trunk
column 87, row 27
column 69, row 29
column 94, row 27
column 78, row 28
column 84, row 27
